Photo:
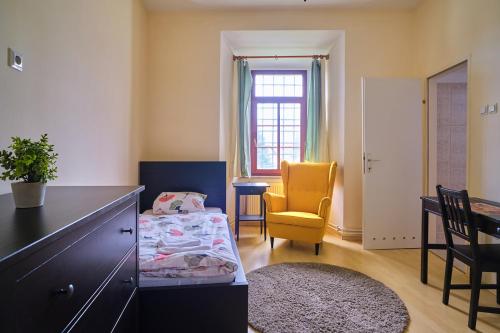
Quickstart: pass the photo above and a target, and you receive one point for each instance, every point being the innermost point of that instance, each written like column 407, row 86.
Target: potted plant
column 32, row 164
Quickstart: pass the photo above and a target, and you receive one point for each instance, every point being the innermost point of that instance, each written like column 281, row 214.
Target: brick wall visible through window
column 278, row 119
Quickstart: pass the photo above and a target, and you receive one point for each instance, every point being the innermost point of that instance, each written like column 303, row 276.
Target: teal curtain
column 313, row 113
column 244, row 93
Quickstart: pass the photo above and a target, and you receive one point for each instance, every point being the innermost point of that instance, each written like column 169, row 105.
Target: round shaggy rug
column 309, row 297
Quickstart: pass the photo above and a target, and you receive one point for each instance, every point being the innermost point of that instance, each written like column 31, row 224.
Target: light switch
column 15, row 59
column 493, row 108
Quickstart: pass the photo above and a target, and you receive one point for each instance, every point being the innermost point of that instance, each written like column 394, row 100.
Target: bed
column 183, row 304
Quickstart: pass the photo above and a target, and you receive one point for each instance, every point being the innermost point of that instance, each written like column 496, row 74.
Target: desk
column 488, row 222
column 250, row 189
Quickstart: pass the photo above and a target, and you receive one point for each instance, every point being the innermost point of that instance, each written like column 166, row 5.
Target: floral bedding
column 185, row 245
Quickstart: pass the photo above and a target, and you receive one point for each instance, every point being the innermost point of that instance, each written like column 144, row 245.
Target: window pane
column 268, row 79
column 290, row 132
column 267, row 125
column 289, row 91
column 290, row 80
column 267, row 158
column 278, row 85
column 268, row 90
column 298, row 80
column 259, row 90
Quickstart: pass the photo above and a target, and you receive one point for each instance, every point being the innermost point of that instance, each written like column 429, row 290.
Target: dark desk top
column 486, row 213
column 245, row 184
column 65, row 206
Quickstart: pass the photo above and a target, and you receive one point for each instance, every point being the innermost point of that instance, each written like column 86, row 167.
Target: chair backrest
column 457, row 217
column 305, row 184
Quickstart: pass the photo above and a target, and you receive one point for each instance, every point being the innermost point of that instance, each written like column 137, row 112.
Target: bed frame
column 192, row 308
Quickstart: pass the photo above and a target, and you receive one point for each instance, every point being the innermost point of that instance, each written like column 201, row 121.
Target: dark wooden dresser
column 71, row 265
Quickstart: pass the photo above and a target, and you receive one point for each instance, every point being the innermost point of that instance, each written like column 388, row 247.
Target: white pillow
column 175, row 202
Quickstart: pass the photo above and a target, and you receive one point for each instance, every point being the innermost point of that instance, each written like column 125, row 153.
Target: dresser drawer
column 49, row 297
column 104, row 312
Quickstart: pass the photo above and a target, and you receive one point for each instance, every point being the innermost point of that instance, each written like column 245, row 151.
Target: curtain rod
column 314, row 56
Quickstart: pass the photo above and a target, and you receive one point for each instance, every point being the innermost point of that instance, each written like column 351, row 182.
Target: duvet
column 185, row 245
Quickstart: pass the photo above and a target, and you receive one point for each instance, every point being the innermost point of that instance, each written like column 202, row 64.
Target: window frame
column 278, row 100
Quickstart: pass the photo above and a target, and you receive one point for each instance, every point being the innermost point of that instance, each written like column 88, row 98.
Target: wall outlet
column 14, row 59
column 493, row 108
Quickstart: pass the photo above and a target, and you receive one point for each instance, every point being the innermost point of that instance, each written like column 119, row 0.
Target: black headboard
column 203, row 177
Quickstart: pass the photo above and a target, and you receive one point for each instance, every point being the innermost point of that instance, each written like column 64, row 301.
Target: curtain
column 242, row 87
column 316, row 149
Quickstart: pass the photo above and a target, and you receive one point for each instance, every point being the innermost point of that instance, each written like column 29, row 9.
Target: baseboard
column 346, row 234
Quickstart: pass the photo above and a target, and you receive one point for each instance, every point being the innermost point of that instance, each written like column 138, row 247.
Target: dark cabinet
column 78, row 276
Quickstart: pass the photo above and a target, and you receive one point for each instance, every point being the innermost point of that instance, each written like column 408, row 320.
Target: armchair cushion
column 300, row 219
column 274, row 202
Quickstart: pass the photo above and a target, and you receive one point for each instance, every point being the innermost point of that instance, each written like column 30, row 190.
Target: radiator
column 252, row 203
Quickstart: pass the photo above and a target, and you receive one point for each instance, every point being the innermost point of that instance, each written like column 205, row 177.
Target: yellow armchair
column 302, row 212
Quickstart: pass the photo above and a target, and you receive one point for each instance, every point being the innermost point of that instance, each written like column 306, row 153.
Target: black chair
column 458, row 221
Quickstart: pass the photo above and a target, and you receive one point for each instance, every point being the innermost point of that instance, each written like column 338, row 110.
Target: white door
column 392, row 163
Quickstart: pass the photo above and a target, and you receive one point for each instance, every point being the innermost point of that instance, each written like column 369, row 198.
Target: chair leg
column 272, row 242
column 316, row 248
column 474, row 297
column 447, row 277
column 498, row 287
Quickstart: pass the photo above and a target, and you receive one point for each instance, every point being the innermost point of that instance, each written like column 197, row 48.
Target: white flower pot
column 28, row 195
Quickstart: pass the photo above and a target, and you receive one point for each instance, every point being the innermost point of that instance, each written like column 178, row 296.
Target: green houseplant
column 31, row 164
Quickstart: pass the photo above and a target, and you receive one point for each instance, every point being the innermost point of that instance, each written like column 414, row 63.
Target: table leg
column 263, row 214
column 237, row 216
column 260, row 212
column 424, row 251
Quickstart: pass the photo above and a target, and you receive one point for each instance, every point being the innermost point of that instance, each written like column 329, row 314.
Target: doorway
column 447, row 135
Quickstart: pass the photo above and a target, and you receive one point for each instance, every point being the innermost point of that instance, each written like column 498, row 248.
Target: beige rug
column 310, row 297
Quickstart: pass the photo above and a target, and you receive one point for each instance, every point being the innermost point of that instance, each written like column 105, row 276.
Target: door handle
column 129, row 230
column 369, row 162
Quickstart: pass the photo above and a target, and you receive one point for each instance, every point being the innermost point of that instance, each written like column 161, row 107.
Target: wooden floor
column 397, row 269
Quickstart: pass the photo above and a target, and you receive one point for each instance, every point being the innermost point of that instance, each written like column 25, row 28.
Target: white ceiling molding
column 266, row 4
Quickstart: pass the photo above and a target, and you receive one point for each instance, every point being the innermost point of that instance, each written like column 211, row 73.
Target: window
column 278, row 119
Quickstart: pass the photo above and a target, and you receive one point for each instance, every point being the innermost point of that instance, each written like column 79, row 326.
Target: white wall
column 80, row 62
column 337, row 131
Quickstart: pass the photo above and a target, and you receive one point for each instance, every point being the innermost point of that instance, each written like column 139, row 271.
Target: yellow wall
column 86, row 80
column 183, row 76
column 450, row 31
column 79, row 84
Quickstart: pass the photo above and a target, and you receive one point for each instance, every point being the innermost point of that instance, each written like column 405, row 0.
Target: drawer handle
column 129, row 230
column 131, row 280
column 69, row 291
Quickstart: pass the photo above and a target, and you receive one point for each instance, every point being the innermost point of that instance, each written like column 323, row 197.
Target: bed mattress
column 184, row 249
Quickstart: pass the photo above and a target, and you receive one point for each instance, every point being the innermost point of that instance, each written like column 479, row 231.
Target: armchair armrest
column 274, row 202
column 324, row 206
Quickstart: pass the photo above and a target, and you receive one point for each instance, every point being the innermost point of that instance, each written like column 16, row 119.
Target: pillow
column 175, row 202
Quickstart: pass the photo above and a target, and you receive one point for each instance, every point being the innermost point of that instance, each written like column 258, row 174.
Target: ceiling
column 260, row 4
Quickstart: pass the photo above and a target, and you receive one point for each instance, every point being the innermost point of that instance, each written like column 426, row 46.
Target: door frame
column 427, row 123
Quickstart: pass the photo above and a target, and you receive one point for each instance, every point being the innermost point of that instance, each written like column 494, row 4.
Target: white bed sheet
column 147, row 281
column 207, row 210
